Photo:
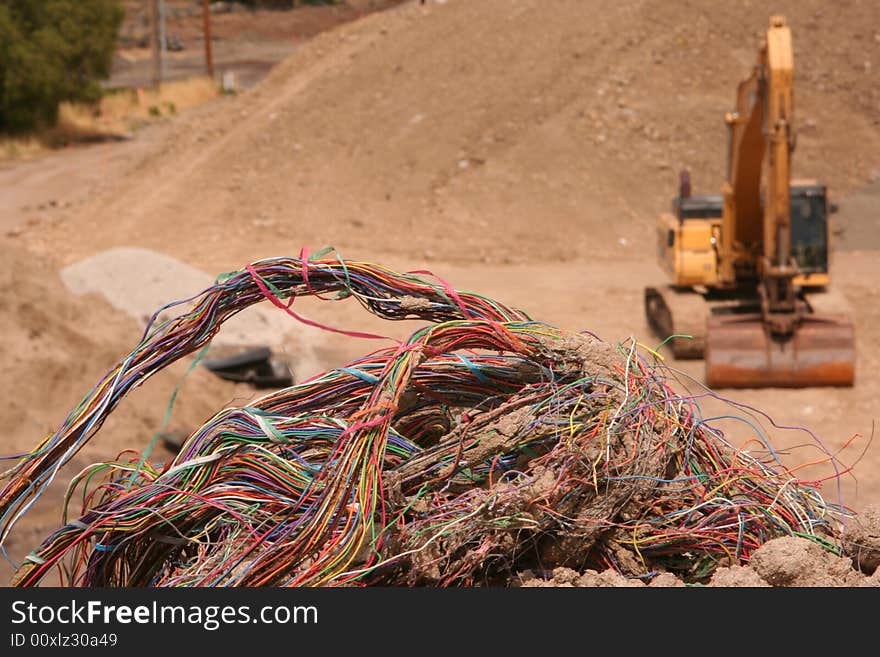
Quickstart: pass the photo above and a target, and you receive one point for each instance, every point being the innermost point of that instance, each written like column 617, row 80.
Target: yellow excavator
column 749, row 288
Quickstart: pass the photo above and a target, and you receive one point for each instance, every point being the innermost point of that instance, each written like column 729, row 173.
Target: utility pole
column 206, row 18
column 163, row 42
column 155, row 46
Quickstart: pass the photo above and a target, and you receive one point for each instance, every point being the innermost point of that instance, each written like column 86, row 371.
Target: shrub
column 52, row 51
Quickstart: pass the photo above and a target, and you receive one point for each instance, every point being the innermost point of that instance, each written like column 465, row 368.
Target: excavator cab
column 694, row 226
column 809, row 234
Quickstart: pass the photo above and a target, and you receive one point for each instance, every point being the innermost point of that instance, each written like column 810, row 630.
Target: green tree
column 52, row 51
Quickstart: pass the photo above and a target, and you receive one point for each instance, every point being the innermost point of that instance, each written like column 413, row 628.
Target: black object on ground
column 173, row 440
column 256, row 366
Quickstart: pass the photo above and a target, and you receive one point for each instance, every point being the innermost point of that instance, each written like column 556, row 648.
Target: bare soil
column 518, row 149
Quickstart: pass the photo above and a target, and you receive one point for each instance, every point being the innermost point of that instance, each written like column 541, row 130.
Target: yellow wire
column 571, row 424
column 651, row 351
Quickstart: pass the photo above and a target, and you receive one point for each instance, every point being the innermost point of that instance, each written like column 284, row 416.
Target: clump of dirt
column 566, row 577
column 795, row 561
column 737, row 576
column 861, row 540
column 666, row 580
column 586, row 352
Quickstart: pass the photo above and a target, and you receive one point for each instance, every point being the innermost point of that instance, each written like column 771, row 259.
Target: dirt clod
column 861, row 540
column 795, row 561
column 666, row 580
column 737, row 576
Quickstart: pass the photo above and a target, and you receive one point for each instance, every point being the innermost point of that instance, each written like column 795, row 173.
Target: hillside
column 490, row 130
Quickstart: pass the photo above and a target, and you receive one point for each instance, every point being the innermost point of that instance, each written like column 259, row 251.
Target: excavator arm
column 777, row 268
column 741, row 192
column 756, row 236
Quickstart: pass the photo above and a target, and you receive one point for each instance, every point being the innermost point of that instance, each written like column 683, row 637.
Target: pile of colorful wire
column 485, row 445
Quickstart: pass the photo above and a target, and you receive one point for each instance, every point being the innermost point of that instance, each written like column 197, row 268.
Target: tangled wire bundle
column 485, row 445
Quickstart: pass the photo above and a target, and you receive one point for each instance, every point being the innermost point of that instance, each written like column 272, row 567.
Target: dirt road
column 50, row 188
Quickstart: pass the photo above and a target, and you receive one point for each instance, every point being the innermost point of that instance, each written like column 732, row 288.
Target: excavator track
column 677, row 311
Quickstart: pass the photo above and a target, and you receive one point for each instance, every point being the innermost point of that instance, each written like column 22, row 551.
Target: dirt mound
column 490, row 130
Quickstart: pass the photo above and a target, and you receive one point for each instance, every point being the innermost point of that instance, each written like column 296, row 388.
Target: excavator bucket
column 741, row 353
